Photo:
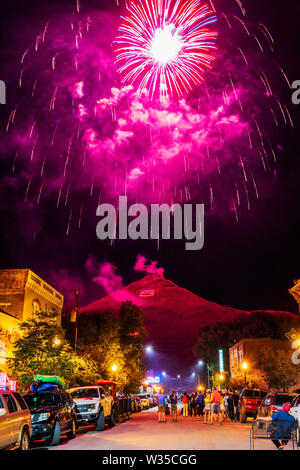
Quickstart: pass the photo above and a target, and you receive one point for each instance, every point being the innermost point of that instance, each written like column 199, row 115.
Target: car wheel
column 243, row 416
column 100, row 426
column 112, row 419
column 55, row 439
column 71, row 434
column 24, row 442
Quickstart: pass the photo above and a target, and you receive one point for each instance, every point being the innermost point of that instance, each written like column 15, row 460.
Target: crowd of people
column 211, row 405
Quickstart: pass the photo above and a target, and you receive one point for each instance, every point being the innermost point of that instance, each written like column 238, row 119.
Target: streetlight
column 245, row 367
column 56, row 342
column 114, row 369
column 200, row 363
column 149, row 349
column 74, row 319
column 198, row 377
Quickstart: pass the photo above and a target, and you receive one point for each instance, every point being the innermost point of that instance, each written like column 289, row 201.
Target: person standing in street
column 236, row 397
column 173, row 402
column 207, row 406
column 185, row 404
column 193, row 404
column 162, row 401
column 200, row 404
column 216, row 406
column 230, row 407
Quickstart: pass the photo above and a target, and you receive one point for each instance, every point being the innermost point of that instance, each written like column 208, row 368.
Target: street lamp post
column 114, row 369
column 221, row 380
column 76, row 293
column 200, row 363
column 245, row 367
column 198, row 377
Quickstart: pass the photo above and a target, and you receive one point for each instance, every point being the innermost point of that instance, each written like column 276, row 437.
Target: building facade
column 249, row 349
column 22, row 293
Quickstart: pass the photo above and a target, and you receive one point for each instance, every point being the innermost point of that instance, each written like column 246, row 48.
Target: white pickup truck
column 93, row 406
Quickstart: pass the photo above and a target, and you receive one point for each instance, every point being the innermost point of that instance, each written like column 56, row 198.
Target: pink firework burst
column 165, row 46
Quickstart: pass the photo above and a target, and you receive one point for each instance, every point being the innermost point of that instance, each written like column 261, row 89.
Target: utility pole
column 208, row 378
column 76, row 293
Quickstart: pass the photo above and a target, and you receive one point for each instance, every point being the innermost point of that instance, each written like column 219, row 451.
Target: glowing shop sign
column 221, row 360
column 153, row 380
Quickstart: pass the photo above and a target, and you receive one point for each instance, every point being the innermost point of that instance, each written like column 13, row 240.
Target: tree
column 220, row 379
column 41, row 349
column 255, row 378
column 132, row 337
column 85, row 371
column 106, row 340
column 107, row 351
column 280, row 372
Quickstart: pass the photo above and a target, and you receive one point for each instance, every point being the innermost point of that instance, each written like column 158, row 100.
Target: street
column 144, row 432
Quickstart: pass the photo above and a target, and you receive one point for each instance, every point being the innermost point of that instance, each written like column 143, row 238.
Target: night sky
column 250, row 264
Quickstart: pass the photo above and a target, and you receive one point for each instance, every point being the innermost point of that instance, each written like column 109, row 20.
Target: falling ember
column 165, row 46
column 194, row 119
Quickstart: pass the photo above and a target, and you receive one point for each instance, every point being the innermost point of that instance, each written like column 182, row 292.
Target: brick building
column 248, row 350
column 22, row 292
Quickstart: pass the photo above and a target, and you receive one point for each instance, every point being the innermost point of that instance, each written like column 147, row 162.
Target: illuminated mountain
column 173, row 316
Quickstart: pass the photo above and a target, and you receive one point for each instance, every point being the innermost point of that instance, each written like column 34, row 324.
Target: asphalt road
column 144, row 432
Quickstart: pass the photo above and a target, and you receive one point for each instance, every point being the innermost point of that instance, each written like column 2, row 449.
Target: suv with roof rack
column 53, row 413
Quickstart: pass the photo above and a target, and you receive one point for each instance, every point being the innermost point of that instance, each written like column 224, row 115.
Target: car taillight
column 274, row 408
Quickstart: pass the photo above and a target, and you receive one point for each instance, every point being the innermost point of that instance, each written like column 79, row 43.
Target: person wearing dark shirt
column 230, row 407
column 236, row 397
column 193, row 404
column 200, row 404
column 173, row 402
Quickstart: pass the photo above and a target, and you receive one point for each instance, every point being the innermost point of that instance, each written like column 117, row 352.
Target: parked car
column 295, row 411
column 53, row 414
column 93, row 406
column 144, row 400
column 274, row 402
column 15, row 421
column 249, row 401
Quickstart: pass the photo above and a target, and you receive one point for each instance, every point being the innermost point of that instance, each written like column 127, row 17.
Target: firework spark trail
column 85, row 138
column 166, row 45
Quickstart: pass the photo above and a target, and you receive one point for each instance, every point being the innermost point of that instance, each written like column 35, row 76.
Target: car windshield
column 85, row 393
column 282, row 399
column 40, row 400
column 255, row 394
